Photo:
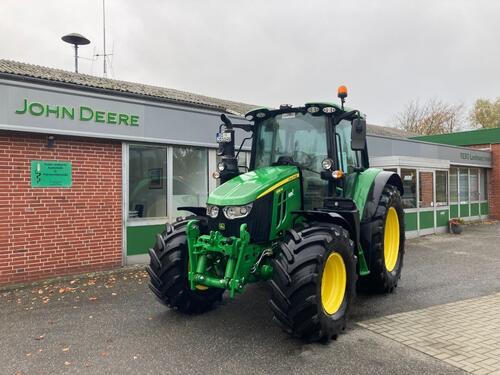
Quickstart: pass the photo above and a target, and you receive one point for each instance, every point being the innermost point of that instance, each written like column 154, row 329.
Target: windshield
column 301, row 137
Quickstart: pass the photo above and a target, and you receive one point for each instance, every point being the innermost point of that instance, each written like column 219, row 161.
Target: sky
column 270, row 52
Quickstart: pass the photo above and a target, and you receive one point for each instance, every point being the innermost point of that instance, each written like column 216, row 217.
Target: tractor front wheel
column 313, row 283
column 168, row 271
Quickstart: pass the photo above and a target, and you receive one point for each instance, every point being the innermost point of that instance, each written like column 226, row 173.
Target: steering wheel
column 303, row 158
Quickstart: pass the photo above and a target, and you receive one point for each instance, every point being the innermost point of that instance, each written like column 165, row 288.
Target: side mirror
column 358, row 134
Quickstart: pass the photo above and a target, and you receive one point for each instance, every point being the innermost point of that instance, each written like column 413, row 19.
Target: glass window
column 409, row 177
column 426, row 189
column 474, row 184
column 441, row 188
column 243, row 162
column 347, row 157
column 189, row 178
column 483, row 185
column 453, row 185
column 463, row 179
column 301, row 137
column 147, row 181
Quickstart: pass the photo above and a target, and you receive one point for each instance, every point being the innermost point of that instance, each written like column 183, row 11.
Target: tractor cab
column 317, row 139
column 324, row 141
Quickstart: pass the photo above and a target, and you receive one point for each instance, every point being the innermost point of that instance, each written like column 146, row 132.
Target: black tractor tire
column 381, row 279
column 168, row 271
column 296, row 298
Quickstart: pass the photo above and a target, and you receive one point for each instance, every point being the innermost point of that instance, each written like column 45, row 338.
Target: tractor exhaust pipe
column 228, row 167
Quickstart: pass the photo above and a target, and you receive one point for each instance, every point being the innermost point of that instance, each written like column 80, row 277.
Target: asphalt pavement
column 111, row 323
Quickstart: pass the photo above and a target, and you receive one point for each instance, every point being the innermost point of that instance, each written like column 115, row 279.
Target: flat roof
column 465, row 138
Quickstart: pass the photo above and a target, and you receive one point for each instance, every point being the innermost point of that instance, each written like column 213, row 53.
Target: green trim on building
column 140, row 239
column 472, row 137
column 484, row 208
column 426, row 219
column 453, row 210
column 464, row 210
column 410, row 221
column 474, row 209
column 442, row 218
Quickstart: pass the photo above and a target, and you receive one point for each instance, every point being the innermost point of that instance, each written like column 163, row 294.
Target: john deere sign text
column 81, row 113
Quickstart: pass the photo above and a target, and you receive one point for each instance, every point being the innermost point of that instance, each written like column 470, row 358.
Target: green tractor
column 310, row 217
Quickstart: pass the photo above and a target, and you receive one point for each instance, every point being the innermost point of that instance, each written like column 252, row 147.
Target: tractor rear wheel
column 168, row 271
column 313, row 283
column 387, row 244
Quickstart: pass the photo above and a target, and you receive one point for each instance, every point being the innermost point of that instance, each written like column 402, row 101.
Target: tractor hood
column 250, row 186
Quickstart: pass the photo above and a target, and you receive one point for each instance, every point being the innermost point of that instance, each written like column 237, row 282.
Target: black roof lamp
column 76, row 40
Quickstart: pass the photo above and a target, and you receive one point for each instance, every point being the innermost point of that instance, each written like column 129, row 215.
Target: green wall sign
column 81, row 113
column 51, row 174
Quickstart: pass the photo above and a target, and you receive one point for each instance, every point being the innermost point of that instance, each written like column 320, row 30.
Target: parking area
column 111, row 323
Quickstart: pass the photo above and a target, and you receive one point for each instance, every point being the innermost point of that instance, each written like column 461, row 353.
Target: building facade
column 481, row 139
column 93, row 168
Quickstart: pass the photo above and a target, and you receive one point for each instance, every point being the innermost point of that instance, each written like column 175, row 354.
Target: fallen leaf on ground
column 65, row 349
column 67, row 363
column 104, row 354
column 39, row 337
column 92, row 298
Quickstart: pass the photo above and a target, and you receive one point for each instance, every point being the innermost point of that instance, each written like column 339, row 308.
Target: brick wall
column 493, row 179
column 46, row 232
column 426, row 189
column 494, row 185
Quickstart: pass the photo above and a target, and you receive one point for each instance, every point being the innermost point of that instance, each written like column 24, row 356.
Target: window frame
column 447, row 192
column 126, row 199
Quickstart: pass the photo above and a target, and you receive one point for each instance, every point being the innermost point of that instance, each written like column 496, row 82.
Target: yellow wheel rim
column 333, row 283
column 391, row 239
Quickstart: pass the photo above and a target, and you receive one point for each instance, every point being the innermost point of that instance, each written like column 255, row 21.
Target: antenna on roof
column 104, row 54
column 76, row 40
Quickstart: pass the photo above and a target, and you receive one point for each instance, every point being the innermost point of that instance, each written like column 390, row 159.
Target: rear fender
column 381, row 180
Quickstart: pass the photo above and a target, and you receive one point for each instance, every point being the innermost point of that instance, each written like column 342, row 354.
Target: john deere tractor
column 309, row 216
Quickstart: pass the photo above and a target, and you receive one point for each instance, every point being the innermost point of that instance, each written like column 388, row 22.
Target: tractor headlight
column 213, row 211
column 327, row 164
column 237, row 212
column 221, row 166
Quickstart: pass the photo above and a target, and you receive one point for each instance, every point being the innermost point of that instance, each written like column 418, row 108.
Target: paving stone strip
column 465, row 334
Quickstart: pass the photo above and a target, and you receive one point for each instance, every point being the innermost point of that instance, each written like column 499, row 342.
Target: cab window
column 348, row 159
